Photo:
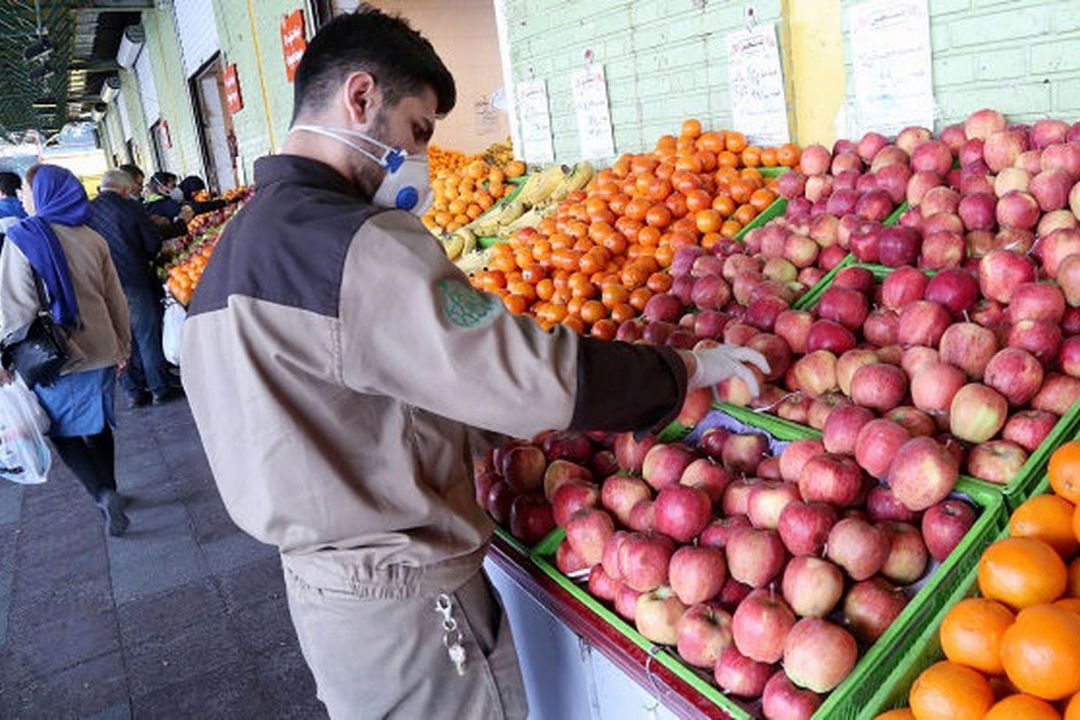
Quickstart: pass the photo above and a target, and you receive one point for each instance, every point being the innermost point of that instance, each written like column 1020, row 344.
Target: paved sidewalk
column 184, row 617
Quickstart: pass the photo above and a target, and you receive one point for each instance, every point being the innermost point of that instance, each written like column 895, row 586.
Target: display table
column 575, row 666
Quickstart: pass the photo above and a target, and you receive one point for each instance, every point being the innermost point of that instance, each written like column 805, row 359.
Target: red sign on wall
column 232, row 90
column 293, row 42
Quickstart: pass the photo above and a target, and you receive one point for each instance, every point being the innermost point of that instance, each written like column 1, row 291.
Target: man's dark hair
column 163, row 178
column 9, row 183
column 400, row 59
column 191, row 185
column 133, row 170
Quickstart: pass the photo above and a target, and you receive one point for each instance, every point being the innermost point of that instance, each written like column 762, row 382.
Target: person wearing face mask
column 342, row 374
column 164, row 205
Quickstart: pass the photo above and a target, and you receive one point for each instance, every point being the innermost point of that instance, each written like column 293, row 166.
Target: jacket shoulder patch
column 465, row 307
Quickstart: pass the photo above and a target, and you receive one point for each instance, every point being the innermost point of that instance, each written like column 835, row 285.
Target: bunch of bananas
column 542, row 191
column 499, row 153
column 458, row 243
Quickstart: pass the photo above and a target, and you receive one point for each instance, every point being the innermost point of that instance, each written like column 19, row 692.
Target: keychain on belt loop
column 452, row 636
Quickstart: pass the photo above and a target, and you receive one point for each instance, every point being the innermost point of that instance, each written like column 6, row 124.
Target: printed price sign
column 593, row 114
column 890, row 54
column 756, row 79
column 293, row 42
column 535, row 117
column 232, row 90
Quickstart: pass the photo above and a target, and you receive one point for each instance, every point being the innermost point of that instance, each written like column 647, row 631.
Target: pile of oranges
column 464, row 187
column 601, row 256
column 1014, row 652
column 184, row 273
column 184, row 276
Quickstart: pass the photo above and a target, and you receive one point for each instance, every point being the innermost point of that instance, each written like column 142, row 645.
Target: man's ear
column 361, row 98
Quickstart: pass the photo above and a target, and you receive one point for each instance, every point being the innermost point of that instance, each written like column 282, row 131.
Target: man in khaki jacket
column 335, row 361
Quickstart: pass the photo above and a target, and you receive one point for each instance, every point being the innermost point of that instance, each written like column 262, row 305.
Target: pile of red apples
column 771, row 573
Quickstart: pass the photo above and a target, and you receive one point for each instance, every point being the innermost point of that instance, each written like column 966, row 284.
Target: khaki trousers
column 385, row 658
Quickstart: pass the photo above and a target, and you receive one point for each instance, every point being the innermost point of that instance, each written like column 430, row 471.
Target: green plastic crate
column 486, row 242
column 773, row 172
column 778, row 427
column 510, row 540
column 776, row 209
column 849, row 700
column 895, row 217
column 674, row 433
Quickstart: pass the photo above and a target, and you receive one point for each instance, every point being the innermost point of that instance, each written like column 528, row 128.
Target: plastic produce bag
column 171, row 329
column 25, row 457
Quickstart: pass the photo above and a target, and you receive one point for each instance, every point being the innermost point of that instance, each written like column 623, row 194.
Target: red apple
column 796, row 455
column 849, row 363
column 500, row 497
column 782, row 700
column 1002, row 271
column 523, row 468
column 602, row 585
column 997, row 461
column 922, row 473
column 737, row 497
column 903, row 286
column 644, row 559
column 1002, row 148
column 620, row 494
column 776, row 352
column 571, row 446
column 760, row 625
column 1029, row 428
column 831, row 336
column 643, row 516
column 682, row 512
column 567, row 561
column 1037, row 301
column 858, row 547
column 629, row 453
column 844, row 306
column 818, row 654
column 879, row 387
column 587, row 530
column 907, row 553
column 657, row 616
column 664, row 464
column 754, row 556
column 767, row 501
column 697, row 574
column 944, row 525
column 871, row 606
column 707, row 476
column 1039, row 337
column 934, row 385
column 744, row 452
column 834, row 479
column 717, row 532
column 977, row 413
column 612, row 547
column 969, row 347
column 1057, row 395
column 604, row 464
column 561, row 472
column 531, row 518
column 571, row 497
column 882, row 327
column 1016, row 374
column 877, row 445
column 917, row 356
column 794, row 327
column 703, row 633
column 804, row 527
column 922, row 323
column 843, row 425
column 882, row 505
column 981, row 124
column 816, row 372
column 941, row 250
column 812, row 586
column 740, row 676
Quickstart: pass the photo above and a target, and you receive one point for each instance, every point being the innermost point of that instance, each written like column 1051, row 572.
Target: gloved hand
column 716, row 364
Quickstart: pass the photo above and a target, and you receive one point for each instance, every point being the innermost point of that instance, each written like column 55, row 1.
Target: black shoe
column 168, row 396
column 138, row 400
column 112, row 506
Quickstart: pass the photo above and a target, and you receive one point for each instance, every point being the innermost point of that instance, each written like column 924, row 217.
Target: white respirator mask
column 177, row 194
column 407, row 182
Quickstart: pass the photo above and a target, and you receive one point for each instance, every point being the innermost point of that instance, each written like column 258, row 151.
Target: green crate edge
column 775, row 209
column 512, row 541
column 773, row 172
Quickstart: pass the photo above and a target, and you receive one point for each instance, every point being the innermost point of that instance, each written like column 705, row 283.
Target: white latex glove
column 716, row 364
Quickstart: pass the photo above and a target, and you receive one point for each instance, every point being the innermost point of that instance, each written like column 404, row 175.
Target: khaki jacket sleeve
column 413, row 328
column 19, row 303
column 117, row 303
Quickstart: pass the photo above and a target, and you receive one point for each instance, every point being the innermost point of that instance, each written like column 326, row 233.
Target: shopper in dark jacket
column 191, row 186
column 11, row 208
column 134, row 242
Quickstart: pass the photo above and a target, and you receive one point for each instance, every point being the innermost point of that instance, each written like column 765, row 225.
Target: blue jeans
column 146, row 368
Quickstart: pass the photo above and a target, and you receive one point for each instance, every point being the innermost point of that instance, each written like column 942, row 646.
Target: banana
column 583, row 173
column 468, row 240
column 540, row 185
column 528, row 219
column 474, row 262
column 453, row 246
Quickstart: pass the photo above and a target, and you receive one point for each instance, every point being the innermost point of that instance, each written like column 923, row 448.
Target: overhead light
column 40, row 73
column 131, row 42
column 38, row 50
column 43, row 103
column 110, row 89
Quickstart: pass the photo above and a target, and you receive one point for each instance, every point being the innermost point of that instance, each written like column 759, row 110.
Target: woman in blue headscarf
column 86, row 300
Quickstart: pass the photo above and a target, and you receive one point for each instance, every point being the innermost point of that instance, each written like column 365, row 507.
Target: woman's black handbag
column 39, row 350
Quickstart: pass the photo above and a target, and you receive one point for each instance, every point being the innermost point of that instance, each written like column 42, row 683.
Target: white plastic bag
column 25, row 457
column 171, row 331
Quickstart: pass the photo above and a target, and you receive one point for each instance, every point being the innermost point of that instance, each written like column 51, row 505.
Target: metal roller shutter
column 197, row 30
column 147, row 90
column 125, row 122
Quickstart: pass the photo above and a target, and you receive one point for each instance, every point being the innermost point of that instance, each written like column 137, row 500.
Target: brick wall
column 1022, row 58
column 664, row 60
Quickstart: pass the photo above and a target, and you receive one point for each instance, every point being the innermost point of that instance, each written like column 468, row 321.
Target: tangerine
column 1022, row 707
column 971, row 634
column 1072, row 710
column 1048, row 518
column 1071, row 604
column 604, row 329
column 899, row 714
column 1064, row 471
column 691, row 128
column 1072, row 583
column 1041, row 652
column 1021, row 572
column 947, row 691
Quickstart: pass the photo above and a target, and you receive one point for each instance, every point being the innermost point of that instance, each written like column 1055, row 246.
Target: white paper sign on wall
column 535, row 121
column 593, row 114
column 890, row 55
column 756, row 80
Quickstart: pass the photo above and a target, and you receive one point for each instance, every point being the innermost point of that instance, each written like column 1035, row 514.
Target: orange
column 1041, row 652
column 947, row 691
column 1071, row 604
column 1072, row 710
column 1076, row 523
column 1021, row 572
column 971, row 634
column 901, row 714
column 1048, row 518
column 691, row 128
column 1022, row 707
column 1064, row 471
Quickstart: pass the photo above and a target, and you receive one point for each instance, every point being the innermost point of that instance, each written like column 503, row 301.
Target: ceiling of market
column 42, row 94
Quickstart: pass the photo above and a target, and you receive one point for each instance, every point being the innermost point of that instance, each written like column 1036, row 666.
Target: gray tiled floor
column 184, row 617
